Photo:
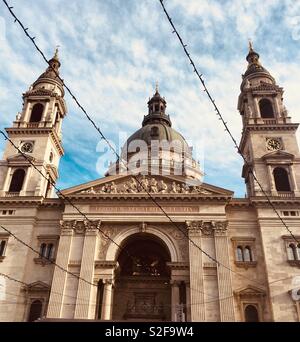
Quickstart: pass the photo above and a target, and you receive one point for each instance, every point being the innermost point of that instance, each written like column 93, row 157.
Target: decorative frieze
column 207, row 228
column 144, row 185
column 79, row 227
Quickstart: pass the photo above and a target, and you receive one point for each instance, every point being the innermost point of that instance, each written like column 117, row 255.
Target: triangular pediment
column 278, row 155
column 19, row 158
column 38, row 286
column 250, row 291
column 156, row 185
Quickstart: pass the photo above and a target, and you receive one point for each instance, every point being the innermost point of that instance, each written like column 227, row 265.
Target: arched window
column 247, row 254
column 266, row 109
column 43, row 250
column 281, row 179
column 298, row 251
column 50, row 250
column 251, row 314
column 239, row 254
column 17, row 181
column 37, row 112
column 2, row 247
column 35, row 310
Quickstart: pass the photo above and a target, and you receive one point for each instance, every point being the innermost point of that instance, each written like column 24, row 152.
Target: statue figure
column 178, row 186
column 174, row 188
column 247, row 84
column 195, row 190
column 285, row 112
column 18, row 116
column 113, row 188
column 153, row 185
column 145, row 184
column 133, row 186
column 184, row 189
column 250, row 112
column 163, row 187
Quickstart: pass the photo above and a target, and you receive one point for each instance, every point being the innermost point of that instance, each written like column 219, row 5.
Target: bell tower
column 268, row 140
column 37, row 133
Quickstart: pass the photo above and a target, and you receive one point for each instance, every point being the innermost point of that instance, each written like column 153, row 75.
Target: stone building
column 120, row 256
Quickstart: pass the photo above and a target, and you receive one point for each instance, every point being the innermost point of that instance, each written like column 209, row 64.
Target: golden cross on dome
column 56, row 51
column 250, row 45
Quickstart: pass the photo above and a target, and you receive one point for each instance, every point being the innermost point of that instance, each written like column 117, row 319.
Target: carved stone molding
column 194, row 227
column 79, row 227
column 220, row 227
column 144, row 185
column 207, row 228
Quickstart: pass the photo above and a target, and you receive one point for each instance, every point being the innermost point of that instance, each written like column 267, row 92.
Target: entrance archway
column 142, row 286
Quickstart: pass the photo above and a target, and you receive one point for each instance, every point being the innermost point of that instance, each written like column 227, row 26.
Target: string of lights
column 32, row 39
column 218, row 113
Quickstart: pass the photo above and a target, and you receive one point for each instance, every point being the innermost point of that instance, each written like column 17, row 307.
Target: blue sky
column 113, row 52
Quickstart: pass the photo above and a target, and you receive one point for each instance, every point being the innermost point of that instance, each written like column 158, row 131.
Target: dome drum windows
column 244, row 250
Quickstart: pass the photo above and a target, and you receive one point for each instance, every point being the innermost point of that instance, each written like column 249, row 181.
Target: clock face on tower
column 27, row 147
column 273, row 144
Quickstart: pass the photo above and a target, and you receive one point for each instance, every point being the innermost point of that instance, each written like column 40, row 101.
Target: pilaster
column 85, row 290
column 59, row 277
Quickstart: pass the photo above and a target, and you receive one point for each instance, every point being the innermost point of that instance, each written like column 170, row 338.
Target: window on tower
column 17, row 181
column 37, row 112
column 281, row 179
column 266, row 109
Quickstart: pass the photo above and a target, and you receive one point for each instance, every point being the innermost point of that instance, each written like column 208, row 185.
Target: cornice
column 144, row 196
column 262, row 201
column 38, row 131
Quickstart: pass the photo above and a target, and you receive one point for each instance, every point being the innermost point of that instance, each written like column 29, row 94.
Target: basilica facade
column 156, row 243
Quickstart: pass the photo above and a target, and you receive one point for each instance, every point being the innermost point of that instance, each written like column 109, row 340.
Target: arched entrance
column 142, row 285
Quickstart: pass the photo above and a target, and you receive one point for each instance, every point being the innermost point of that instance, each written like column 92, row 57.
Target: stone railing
column 285, row 194
column 12, row 194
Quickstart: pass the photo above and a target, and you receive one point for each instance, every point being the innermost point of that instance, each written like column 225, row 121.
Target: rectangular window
column 3, row 246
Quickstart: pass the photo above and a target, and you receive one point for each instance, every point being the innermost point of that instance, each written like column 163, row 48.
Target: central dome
column 158, row 131
column 157, row 148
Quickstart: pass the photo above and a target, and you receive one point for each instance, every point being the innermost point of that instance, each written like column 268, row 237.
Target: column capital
column 108, row 281
column 194, row 227
column 174, row 283
column 220, row 228
column 80, row 227
column 207, row 228
column 66, row 227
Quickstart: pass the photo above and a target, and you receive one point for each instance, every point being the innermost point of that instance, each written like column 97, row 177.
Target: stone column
column 272, row 182
column 224, row 274
column 188, row 302
column 85, row 306
column 196, row 272
column 175, row 299
column 107, row 302
column 59, row 277
column 256, row 108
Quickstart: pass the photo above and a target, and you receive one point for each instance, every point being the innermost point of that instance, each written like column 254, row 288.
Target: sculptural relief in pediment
column 145, row 184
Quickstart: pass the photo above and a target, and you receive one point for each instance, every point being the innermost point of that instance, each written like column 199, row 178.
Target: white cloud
column 112, row 54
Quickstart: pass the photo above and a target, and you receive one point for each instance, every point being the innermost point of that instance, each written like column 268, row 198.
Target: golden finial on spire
column 56, row 52
column 156, row 87
column 250, row 45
